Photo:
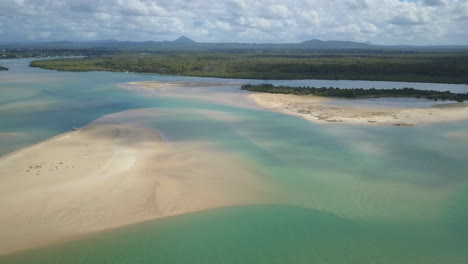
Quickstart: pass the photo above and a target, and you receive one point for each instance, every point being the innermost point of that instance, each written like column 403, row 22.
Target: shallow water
column 390, row 102
column 349, row 194
column 267, row 234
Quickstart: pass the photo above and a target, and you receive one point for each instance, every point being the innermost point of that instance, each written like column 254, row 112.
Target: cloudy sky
column 377, row 21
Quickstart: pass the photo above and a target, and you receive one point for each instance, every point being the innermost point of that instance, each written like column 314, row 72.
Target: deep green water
column 266, row 234
column 352, row 194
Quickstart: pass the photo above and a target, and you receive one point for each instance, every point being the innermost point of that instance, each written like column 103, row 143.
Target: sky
column 414, row 22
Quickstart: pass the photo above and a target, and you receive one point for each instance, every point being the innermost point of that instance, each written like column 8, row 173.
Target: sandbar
column 316, row 109
column 225, row 93
column 110, row 174
column 158, row 85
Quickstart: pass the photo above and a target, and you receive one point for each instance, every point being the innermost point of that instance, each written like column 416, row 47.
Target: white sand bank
column 316, row 109
column 108, row 175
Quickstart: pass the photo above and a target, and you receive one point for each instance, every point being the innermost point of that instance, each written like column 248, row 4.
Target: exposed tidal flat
column 329, row 110
column 244, row 185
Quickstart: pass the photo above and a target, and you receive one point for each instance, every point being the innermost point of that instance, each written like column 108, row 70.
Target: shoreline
column 109, row 174
column 316, row 109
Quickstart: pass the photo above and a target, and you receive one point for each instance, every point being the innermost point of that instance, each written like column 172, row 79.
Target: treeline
column 356, row 92
column 3, row 68
column 35, row 53
column 419, row 67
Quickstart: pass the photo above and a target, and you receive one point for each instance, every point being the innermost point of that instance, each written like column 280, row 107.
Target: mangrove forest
column 356, row 92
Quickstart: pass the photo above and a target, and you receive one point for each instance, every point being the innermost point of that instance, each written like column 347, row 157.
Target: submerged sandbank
column 316, row 109
column 158, row 85
column 225, row 93
column 108, row 175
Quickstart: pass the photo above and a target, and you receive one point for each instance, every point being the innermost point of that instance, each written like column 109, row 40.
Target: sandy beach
column 316, row 109
column 109, row 174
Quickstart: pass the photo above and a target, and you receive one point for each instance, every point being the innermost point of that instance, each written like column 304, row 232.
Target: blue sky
column 378, row 21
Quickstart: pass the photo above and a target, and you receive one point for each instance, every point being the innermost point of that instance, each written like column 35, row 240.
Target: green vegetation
column 386, row 66
column 3, row 68
column 38, row 53
column 356, row 93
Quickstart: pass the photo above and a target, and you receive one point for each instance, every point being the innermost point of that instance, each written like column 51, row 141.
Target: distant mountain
column 186, row 44
column 106, row 41
column 183, row 40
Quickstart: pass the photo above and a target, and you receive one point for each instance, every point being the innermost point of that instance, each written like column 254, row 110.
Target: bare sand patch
column 107, row 175
column 316, row 109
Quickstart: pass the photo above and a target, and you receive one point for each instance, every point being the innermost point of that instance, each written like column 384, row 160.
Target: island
column 356, row 92
column 316, row 105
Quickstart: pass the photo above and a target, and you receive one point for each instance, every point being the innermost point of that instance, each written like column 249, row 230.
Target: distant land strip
column 401, row 67
column 356, row 92
column 3, row 68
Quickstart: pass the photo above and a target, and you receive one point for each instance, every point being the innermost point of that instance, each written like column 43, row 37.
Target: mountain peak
column 184, row 40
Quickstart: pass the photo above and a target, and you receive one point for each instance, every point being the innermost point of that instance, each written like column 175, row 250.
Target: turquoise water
column 350, row 194
column 267, row 234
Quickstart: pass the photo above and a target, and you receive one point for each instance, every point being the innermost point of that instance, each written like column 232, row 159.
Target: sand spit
column 226, row 93
column 157, row 85
column 107, row 175
column 151, row 85
column 316, row 109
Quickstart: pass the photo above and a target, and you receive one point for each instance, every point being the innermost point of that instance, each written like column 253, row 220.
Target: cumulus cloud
column 378, row 21
column 412, row 16
column 434, row 2
column 360, row 4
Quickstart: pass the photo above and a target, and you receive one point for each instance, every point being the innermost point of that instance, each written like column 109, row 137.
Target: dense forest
column 38, row 53
column 356, row 93
column 398, row 66
column 3, row 68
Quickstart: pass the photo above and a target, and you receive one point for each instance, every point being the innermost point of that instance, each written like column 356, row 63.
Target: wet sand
column 317, row 110
column 107, row 175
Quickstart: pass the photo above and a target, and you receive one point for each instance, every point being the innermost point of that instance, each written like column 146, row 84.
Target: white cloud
column 434, row 2
column 378, row 21
column 277, row 11
column 360, row 4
